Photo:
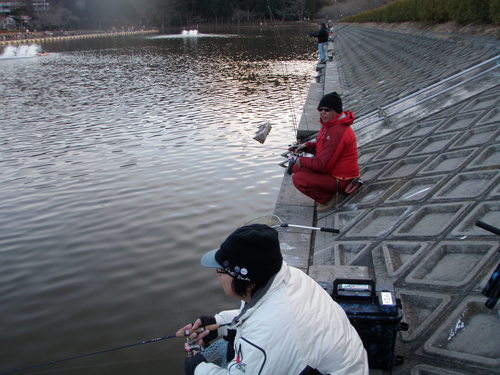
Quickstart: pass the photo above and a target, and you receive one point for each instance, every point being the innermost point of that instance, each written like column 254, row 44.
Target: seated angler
column 335, row 162
column 287, row 324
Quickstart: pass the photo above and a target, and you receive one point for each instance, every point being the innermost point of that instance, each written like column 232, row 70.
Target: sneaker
column 328, row 205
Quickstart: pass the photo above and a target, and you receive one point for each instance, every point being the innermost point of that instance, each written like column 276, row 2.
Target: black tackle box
column 376, row 316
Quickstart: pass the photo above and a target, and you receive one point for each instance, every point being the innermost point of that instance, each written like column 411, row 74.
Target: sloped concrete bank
column 429, row 143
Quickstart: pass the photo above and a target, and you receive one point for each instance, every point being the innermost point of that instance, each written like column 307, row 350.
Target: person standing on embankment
column 322, row 35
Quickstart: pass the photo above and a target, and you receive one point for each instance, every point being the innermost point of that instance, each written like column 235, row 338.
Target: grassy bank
column 461, row 12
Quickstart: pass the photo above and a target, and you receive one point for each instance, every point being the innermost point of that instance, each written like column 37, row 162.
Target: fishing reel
column 192, row 347
column 292, row 157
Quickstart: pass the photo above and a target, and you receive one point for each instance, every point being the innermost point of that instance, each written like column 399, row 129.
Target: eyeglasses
column 324, row 109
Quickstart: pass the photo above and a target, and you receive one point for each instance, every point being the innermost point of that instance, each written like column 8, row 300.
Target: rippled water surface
column 122, row 161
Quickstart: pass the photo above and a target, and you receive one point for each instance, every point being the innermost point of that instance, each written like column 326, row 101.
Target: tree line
column 434, row 11
column 108, row 14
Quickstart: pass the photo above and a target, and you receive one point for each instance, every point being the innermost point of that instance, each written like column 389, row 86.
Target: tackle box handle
column 354, row 283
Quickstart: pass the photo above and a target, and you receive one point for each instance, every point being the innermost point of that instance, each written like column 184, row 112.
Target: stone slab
column 332, row 79
column 366, row 155
column 395, row 150
column 459, row 122
column 489, row 157
column 433, row 370
column 452, row 263
column 492, row 116
column 295, row 247
column 487, row 212
column 421, row 128
column 420, row 309
column 295, row 243
column 416, row 189
column 340, row 253
column 483, row 102
column 431, row 220
column 290, row 196
column 372, row 193
column 448, row 161
column 468, row 185
column 400, row 255
column 371, row 171
column 339, row 219
column 477, row 136
column 434, row 143
column 405, row 167
column 378, row 223
column 469, row 335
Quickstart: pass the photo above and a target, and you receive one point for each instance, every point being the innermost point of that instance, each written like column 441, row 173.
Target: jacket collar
column 263, row 293
column 344, row 118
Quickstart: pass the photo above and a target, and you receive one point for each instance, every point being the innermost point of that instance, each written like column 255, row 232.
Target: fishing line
column 290, row 101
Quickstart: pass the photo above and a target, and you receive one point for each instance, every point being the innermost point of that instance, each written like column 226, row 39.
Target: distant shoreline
column 16, row 38
column 44, row 37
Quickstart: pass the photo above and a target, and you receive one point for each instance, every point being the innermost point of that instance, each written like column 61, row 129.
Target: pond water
column 122, row 161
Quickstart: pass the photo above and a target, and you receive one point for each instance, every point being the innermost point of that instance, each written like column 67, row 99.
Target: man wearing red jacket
column 335, row 161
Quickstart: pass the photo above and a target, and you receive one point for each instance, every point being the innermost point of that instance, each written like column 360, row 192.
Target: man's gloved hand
column 297, row 148
column 205, row 321
column 301, row 147
column 190, row 363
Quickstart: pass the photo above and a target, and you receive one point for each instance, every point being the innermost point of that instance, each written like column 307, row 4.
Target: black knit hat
column 251, row 253
column 332, row 101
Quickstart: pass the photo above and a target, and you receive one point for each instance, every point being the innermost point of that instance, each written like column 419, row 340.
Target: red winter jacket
column 336, row 150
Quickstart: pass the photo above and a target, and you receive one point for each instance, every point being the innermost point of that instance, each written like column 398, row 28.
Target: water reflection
column 122, row 161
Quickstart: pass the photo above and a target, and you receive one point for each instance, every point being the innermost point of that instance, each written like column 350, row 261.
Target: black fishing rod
column 179, row 334
column 260, row 136
column 50, row 363
column 228, row 145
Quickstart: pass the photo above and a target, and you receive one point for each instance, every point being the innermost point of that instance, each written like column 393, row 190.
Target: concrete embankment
column 429, row 149
column 34, row 38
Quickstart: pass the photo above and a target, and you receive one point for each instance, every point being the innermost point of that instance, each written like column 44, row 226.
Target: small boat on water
column 43, row 54
column 189, row 32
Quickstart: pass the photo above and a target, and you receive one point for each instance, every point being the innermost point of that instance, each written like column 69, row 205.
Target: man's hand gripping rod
column 209, row 327
column 191, row 347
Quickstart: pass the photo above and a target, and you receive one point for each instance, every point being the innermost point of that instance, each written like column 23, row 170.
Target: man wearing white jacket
column 287, row 323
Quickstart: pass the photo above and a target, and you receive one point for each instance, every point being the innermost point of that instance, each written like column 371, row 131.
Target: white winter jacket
column 290, row 324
